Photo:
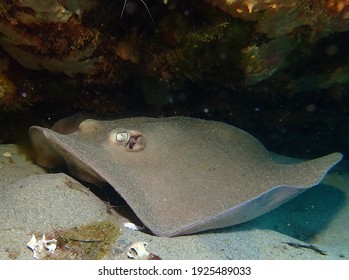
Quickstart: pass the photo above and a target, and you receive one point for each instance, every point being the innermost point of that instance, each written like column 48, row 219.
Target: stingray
column 179, row 175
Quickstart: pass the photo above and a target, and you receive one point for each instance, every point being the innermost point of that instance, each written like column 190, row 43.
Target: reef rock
column 48, row 35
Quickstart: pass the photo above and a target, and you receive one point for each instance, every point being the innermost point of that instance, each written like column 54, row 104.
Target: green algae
column 90, row 242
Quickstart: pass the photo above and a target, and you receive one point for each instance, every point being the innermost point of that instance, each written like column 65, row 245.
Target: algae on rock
column 89, row 242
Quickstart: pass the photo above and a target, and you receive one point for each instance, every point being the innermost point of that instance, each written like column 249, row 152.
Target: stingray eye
column 131, row 140
column 122, row 137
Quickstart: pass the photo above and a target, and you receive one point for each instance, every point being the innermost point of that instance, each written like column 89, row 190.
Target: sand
column 314, row 225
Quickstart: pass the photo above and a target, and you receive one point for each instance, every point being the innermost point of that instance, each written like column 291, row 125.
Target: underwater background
column 278, row 69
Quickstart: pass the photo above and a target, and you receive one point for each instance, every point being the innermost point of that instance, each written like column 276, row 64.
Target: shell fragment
column 138, row 251
column 42, row 248
column 133, row 226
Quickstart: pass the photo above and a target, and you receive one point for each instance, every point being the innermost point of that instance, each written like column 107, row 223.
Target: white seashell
column 138, row 251
column 7, row 154
column 32, row 242
column 37, row 255
column 132, row 226
column 51, row 247
column 41, row 248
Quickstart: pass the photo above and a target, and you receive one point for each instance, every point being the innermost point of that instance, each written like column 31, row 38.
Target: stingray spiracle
column 131, row 140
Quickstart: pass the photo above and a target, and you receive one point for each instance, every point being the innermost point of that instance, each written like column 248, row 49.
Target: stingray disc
column 180, row 175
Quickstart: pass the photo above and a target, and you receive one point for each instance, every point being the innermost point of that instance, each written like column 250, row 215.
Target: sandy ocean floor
column 314, row 225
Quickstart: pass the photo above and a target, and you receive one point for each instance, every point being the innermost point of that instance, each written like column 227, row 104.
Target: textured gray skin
column 192, row 175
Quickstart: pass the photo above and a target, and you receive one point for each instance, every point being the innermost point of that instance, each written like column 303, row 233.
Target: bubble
column 130, row 8
column 331, row 50
column 223, row 56
column 310, row 108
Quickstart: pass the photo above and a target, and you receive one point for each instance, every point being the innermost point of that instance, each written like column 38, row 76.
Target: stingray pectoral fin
column 85, row 173
column 294, row 179
column 307, row 173
column 44, row 154
column 243, row 212
column 51, row 151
